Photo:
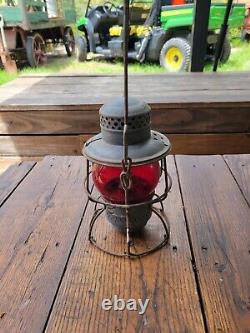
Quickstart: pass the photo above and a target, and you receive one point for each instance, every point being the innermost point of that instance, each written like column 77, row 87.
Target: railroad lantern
column 136, row 181
column 126, row 161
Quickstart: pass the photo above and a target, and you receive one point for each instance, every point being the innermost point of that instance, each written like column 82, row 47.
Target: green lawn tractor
column 160, row 31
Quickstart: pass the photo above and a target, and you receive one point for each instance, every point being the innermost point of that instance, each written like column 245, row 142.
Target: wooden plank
column 208, row 88
column 240, row 168
column 165, row 277
column 204, row 144
column 155, row 104
column 101, row 96
column 218, row 221
column 8, row 89
column 38, row 227
column 202, row 119
column 12, row 177
column 81, row 75
column 211, row 81
column 49, row 122
column 41, row 145
column 183, row 119
column 7, row 161
column 115, row 84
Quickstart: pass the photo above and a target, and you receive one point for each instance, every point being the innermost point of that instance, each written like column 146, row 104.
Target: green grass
column 68, row 65
column 6, row 77
column 239, row 61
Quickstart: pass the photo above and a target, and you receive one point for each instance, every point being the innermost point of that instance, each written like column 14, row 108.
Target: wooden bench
column 201, row 113
column 54, row 280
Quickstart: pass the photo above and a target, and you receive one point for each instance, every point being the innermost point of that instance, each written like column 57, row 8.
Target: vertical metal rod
column 88, row 175
column 222, row 35
column 125, row 63
column 199, row 34
column 87, row 8
column 125, row 141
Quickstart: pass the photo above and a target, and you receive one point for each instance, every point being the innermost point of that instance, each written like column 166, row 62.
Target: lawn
column 239, row 61
column 6, row 77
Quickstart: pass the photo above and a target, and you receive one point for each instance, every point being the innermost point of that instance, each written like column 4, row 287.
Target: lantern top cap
column 115, row 107
column 144, row 145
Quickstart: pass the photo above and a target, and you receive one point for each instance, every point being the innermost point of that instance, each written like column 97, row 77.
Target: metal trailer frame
column 27, row 23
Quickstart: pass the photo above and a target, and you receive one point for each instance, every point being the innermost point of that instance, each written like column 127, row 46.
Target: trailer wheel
column 36, row 50
column 69, row 41
column 226, row 51
column 175, row 55
column 81, row 49
column 245, row 36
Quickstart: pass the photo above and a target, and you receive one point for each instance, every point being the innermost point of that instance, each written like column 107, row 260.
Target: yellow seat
column 138, row 30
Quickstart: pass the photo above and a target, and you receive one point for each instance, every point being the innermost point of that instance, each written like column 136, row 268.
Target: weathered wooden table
column 53, row 280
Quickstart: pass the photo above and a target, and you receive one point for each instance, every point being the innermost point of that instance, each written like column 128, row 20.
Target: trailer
column 245, row 33
column 28, row 26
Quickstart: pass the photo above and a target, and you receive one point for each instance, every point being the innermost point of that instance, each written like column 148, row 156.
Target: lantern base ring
column 159, row 212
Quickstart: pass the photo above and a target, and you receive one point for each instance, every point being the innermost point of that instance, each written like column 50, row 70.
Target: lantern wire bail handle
column 125, row 175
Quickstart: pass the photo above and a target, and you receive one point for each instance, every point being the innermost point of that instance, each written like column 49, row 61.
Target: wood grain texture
column 218, row 221
column 7, row 161
column 205, row 144
column 165, row 277
column 8, row 89
column 41, row 145
column 67, row 90
column 212, row 108
column 101, row 96
column 12, row 177
column 38, row 226
column 49, row 122
column 181, row 119
column 240, row 168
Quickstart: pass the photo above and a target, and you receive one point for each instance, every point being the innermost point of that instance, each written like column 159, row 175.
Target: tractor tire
column 175, row 55
column 226, row 51
column 81, row 49
column 69, row 41
column 36, row 50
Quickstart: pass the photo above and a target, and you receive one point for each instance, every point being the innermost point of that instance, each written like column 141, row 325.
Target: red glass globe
column 144, row 181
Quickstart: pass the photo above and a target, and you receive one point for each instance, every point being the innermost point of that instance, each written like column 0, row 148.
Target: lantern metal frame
column 126, row 164
column 159, row 212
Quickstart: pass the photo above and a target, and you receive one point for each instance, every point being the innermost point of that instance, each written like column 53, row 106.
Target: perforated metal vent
column 118, row 123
